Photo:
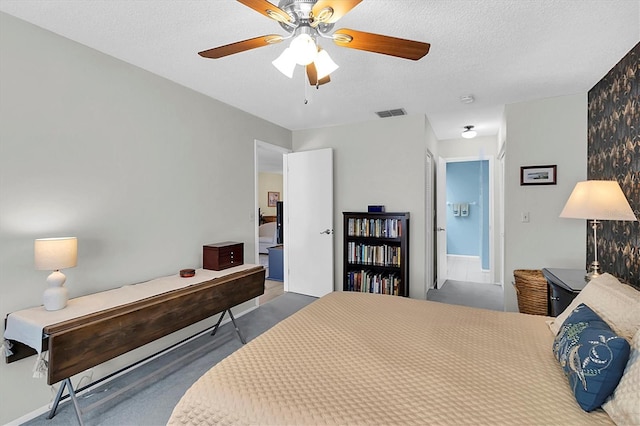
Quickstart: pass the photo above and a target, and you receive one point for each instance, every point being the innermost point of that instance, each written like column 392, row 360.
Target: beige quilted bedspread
column 352, row 358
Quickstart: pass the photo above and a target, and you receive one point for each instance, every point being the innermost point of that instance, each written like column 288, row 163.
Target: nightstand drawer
column 559, row 299
column 219, row 256
column 564, row 286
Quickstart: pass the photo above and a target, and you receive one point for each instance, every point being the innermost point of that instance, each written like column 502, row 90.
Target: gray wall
column 542, row 132
column 143, row 171
column 379, row 162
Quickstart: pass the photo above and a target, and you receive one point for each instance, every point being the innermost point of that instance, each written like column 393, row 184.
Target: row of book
column 365, row 254
column 378, row 228
column 369, row 282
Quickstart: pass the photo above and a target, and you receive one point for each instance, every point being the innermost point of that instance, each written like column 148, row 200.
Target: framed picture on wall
column 538, row 175
column 272, row 198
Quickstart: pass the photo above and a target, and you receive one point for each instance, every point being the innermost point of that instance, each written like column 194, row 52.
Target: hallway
column 477, row 295
column 466, row 268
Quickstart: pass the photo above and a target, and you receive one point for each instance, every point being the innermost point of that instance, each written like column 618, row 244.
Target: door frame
column 442, row 177
column 430, row 225
column 501, row 180
column 256, row 197
column 441, row 223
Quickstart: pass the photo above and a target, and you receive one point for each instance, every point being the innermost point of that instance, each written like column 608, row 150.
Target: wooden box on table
column 219, row 256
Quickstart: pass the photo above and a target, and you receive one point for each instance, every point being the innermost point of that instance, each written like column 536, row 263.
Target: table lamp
column 55, row 254
column 597, row 200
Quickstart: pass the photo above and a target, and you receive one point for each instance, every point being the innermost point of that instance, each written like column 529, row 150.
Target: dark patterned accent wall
column 614, row 153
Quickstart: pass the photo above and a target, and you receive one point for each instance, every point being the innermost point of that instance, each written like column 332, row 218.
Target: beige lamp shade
column 53, row 254
column 599, row 200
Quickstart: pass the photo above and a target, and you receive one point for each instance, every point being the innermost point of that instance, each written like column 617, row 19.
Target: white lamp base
column 56, row 295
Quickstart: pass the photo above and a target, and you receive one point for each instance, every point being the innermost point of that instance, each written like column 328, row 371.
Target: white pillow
column 623, row 406
column 616, row 303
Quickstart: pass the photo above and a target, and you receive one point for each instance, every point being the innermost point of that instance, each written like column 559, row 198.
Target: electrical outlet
column 524, row 217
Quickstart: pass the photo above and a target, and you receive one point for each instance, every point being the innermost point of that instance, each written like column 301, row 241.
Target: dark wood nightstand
column 564, row 286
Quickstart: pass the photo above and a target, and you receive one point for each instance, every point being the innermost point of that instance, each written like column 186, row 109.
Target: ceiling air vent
column 391, row 113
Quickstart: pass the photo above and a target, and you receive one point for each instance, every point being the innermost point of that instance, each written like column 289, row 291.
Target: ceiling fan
column 306, row 21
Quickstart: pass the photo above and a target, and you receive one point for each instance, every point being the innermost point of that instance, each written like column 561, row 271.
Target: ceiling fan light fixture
column 286, row 62
column 469, row 133
column 324, row 64
column 304, row 49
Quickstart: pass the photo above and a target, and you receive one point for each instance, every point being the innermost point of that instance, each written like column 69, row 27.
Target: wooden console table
column 81, row 343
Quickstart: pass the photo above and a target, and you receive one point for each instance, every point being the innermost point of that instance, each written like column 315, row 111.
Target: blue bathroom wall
column 468, row 182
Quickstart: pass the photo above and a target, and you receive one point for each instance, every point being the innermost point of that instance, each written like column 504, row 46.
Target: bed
column 353, row 358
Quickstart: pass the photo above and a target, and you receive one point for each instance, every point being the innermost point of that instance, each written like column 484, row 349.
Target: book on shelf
column 380, row 255
column 366, row 281
column 377, row 228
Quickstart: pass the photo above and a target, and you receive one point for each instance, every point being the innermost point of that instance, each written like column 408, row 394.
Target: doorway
column 307, row 253
column 465, row 220
column 269, row 195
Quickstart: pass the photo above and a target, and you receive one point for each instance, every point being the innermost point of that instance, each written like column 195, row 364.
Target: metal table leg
column 72, row 395
column 233, row 320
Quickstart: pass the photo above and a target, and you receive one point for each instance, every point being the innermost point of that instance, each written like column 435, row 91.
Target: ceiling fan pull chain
column 304, row 84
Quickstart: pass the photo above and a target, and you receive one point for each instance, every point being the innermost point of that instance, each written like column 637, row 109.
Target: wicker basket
column 531, row 288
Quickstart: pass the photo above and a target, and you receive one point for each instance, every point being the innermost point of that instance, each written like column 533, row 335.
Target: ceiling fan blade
column 329, row 11
column 399, row 47
column 241, row 46
column 312, row 75
column 324, row 80
column 268, row 9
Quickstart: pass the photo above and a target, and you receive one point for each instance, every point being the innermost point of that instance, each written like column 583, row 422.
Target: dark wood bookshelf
column 376, row 253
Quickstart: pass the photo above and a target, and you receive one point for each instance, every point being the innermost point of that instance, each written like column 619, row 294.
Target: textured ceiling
column 499, row 51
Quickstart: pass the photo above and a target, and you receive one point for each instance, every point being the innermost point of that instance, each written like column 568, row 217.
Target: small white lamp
column 597, row 200
column 55, row 254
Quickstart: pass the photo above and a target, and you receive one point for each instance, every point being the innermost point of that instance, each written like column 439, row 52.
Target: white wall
column 543, row 132
column 143, row 171
column 378, row 162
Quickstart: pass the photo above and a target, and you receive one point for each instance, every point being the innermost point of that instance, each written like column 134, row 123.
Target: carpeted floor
column 478, row 295
column 152, row 403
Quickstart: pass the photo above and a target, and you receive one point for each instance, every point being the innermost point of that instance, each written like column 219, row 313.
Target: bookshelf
column 376, row 253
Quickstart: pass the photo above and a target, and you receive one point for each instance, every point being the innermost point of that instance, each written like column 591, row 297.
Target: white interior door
column 308, row 230
column 441, row 220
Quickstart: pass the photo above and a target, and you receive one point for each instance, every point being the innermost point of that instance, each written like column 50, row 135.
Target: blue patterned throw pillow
column 592, row 356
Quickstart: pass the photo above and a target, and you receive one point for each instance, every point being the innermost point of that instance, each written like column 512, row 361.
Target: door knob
column 327, row 231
